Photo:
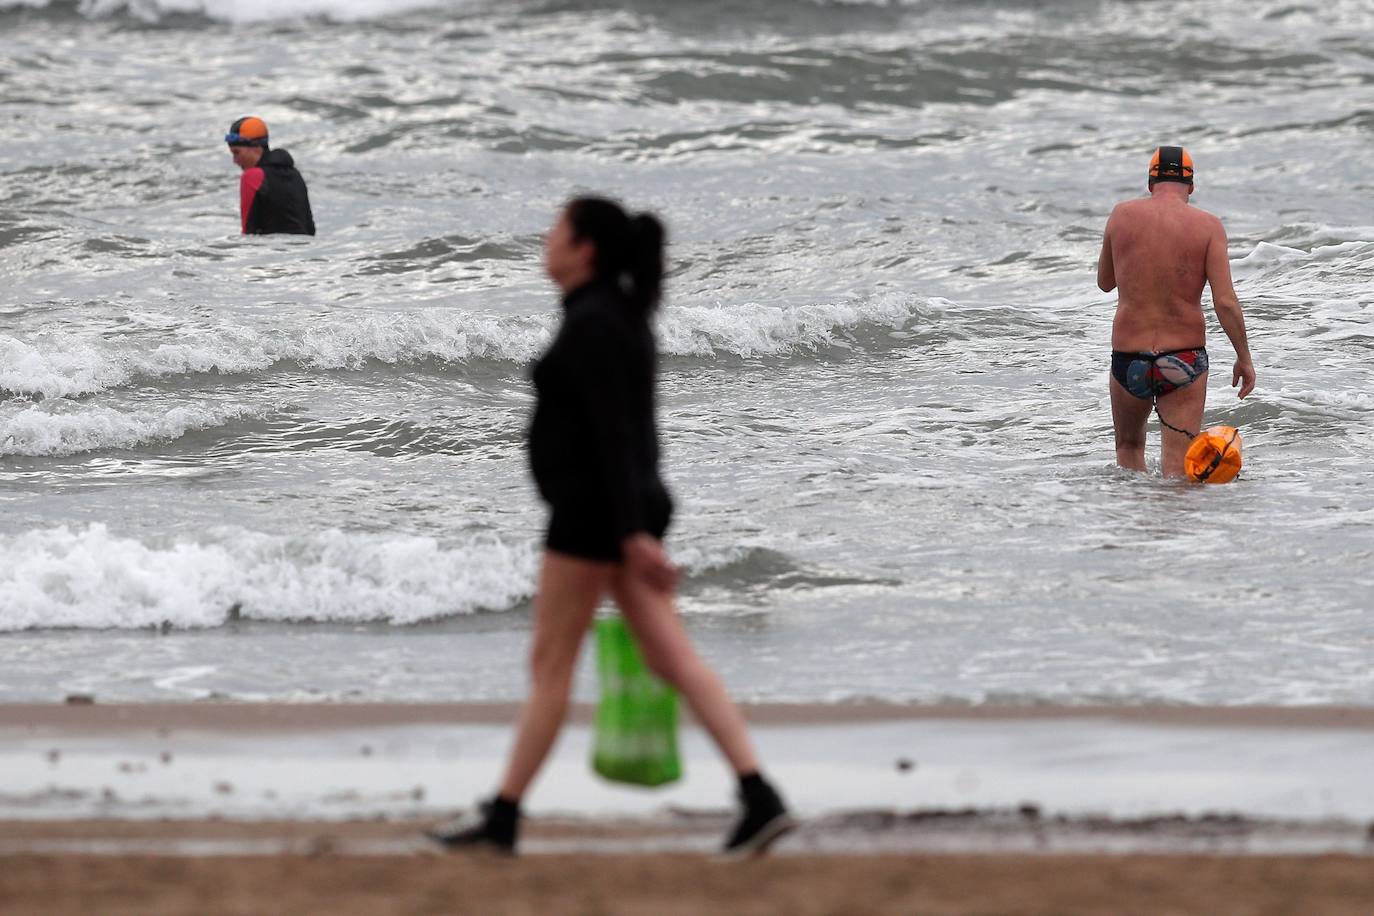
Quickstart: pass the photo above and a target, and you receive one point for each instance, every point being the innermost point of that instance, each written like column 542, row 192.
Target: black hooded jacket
column 593, row 442
column 273, row 198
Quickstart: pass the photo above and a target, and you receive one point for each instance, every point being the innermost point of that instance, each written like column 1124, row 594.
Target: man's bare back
column 1159, row 253
column 1156, row 249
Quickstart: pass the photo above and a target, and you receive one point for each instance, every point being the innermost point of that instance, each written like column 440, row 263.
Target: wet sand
column 350, row 885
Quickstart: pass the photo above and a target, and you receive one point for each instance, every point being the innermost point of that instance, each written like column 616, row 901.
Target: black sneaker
column 492, row 828
column 764, row 822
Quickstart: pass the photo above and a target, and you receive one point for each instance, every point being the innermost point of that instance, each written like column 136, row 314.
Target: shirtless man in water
column 1158, row 252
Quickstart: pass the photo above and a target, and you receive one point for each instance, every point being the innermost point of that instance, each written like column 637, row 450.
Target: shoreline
column 396, row 762
column 864, row 833
column 216, row 715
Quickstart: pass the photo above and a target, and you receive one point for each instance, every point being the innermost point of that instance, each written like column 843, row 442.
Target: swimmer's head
column 247, row 132
column 1171, row 163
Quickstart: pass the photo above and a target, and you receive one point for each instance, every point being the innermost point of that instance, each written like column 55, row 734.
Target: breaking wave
column 93, row 579
column 39, row 431
column 59, row 365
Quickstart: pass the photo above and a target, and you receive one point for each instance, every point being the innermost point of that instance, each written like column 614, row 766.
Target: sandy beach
column 297, row 808
column 354, row 885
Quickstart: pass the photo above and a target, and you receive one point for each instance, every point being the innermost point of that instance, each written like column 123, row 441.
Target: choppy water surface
column 283, row 467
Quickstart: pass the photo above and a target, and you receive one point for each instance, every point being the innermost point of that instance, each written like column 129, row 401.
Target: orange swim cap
column 1214, row 456
column 1171, row 163
column 247, row 132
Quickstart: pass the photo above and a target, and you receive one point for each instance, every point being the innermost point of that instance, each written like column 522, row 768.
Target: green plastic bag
column 636, row 720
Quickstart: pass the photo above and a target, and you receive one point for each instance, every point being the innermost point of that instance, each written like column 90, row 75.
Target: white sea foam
column 57, row 368
column 64, row 365
column 1265, row 254
column 762, row 330
column 73, row 429
column 1340, row 249
column 92, row 579
column 1335, row 403
column 245, row 10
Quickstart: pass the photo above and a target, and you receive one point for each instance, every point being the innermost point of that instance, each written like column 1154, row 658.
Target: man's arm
column 1227, row 307
column 1106, row 271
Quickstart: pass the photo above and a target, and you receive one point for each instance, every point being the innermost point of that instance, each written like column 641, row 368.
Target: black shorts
column 583, row 531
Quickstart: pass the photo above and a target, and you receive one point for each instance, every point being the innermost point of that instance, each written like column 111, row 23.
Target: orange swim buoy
column 1214, row 456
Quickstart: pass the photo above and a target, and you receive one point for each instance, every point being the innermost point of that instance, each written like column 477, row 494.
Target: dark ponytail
column 629, row 250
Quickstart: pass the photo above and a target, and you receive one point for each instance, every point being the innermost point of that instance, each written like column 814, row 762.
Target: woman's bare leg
column 569, row 591
column 669, row 653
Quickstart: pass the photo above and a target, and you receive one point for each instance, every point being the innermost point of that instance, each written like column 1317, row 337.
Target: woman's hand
column 646, row 559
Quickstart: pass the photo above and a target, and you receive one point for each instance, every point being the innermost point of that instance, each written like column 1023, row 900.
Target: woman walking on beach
column 593, row 449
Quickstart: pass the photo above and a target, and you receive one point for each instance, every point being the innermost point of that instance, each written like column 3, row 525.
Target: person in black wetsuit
column 594, row 452
column 272, row 194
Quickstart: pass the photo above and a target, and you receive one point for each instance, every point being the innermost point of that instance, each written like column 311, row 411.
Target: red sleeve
column 248, row 189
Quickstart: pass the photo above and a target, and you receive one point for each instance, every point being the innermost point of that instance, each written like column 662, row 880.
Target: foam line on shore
column 1077, row 764
column 967, row 831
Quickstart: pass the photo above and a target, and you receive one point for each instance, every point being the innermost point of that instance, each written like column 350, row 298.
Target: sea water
column 293, row 468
